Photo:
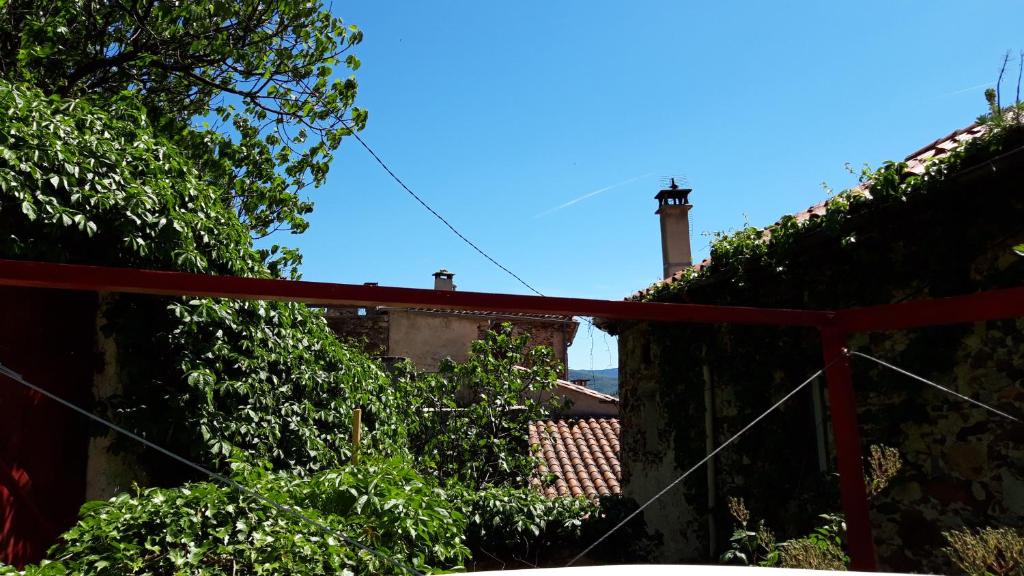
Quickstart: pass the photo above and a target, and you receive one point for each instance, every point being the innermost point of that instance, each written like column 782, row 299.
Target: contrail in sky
column 592, row 193
column 962, row 90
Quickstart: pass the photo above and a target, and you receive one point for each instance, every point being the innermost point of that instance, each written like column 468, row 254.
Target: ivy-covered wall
column 950, row 231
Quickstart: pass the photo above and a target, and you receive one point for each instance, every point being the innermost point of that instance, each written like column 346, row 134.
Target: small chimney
column 580, row 381
column 674, row 209
column 443, row 280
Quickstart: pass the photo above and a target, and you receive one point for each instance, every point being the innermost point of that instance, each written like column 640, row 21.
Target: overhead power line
column 291, row 511
column 435, row 213
column 443, row 219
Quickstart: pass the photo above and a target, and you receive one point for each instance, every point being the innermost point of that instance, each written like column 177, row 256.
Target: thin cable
column 438, row 216
column 704, row 460
column 933, row 384
column 280, row 507
column 434, row 212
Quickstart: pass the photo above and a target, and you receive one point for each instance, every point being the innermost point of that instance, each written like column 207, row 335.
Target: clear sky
column 499, row 113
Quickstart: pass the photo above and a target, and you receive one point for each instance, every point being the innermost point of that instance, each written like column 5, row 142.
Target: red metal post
column 852, row 490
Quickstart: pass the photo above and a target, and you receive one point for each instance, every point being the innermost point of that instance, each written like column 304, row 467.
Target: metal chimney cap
column 673, row 194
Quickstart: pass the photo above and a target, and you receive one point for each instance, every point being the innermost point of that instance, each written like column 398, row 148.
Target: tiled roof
column 522, row 315
column 582, row 454
column 584, row 390
column 916, row 164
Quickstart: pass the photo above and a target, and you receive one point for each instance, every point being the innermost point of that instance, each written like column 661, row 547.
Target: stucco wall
column 580, row 403
column 426, row 339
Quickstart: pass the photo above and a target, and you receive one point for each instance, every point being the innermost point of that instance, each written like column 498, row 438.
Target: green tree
column 474, row 424
column 262, row 72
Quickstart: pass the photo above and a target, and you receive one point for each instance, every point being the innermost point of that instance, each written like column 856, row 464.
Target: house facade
column 944, row 222
column 428, row 336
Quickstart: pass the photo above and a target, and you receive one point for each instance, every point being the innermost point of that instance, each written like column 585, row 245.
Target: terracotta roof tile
column 582, row 454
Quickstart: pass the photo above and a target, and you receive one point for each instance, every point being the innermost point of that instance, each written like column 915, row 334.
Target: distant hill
column 606, row 381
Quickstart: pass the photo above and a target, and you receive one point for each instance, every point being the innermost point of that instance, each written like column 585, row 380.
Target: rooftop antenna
column 673, row 192
column 674, row 182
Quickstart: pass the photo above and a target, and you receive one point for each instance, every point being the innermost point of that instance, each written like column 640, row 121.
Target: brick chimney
column 674, row 209
column 444, row 280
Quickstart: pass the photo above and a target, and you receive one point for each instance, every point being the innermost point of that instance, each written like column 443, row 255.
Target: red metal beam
column 852, row 490
column 96, row 278
column 989, row 305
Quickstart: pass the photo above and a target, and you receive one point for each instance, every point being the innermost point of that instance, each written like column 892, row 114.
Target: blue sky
column 499, row 113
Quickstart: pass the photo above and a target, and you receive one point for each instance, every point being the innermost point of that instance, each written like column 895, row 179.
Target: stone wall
column 664, row 372
column 366, row 326
column 963, row 465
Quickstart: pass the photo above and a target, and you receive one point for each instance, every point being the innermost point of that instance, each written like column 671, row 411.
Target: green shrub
column 265, row 379
column 990, row 551
column 85, row 184
column 518, row 522
column 206, row 529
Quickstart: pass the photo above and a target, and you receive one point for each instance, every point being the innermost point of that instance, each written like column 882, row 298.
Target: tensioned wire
column 846, row 353
column 933, row 384
column 292, row 511
column 703, row 461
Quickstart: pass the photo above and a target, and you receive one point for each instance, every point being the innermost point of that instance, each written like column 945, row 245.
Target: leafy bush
column 99, row 186
column 990, row 551
column 205, row 529
column 265, row 379
column 518, row 521
column 79, row 183
column 258, row 382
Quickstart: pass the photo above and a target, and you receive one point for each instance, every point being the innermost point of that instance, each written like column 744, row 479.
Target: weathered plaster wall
column 649, row 444
column 582, row 404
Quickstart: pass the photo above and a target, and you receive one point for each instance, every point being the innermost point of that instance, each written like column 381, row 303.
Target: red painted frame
column 835, row 327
